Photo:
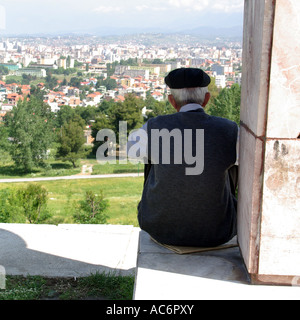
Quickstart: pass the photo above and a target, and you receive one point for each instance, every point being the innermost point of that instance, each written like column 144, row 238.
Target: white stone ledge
column 212, row 275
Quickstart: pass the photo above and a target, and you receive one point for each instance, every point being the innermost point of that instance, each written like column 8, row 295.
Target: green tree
column 33, row 200
column 109, row 83
column 3, row 70
column 4, row 143
column 111, row 67
column 105, row 106
column 129, row 62
column 37, row 92
column 50, row 81
column 157, row 108
column 86, row 113
column 157, row 61
column 227, row 104
column 214, row 92
column 75, row 82
column 68, row 61
column 64, row 115
column 92, row 209
column 77, row 64
column 31, row 130
column 130, row 111
column 102, row 122
column 71, row 139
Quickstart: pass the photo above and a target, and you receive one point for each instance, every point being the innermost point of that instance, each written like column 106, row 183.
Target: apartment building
column 40, row 73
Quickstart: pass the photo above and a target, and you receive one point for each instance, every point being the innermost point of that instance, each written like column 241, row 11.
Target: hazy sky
column 46, row 16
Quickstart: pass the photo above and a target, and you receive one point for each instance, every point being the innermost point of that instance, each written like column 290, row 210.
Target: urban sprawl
column 121, row 68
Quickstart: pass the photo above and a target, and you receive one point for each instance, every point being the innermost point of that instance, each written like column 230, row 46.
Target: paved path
column 74, row 177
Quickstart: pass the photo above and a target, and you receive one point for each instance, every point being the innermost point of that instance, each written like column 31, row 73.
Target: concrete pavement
column 160, row 274
column 212, row 275
column 67, row 250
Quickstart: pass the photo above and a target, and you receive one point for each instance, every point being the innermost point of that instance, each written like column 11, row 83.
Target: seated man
column 188, row 197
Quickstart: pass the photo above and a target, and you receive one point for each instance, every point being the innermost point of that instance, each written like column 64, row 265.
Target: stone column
column 269, row 178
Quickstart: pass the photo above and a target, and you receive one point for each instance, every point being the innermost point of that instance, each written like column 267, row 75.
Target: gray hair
column 189, row 95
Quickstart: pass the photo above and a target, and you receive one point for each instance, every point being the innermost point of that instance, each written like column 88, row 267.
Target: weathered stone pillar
column 269, row 178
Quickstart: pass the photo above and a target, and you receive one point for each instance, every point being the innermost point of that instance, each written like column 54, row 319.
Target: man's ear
column 206, row 99
column 173, row 102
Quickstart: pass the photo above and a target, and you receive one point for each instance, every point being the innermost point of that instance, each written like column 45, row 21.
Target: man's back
column 190, row 209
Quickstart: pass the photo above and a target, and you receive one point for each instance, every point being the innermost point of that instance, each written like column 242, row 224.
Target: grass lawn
column 57, row 168
column 123, row 195
column 94, row 287
column 109, row 168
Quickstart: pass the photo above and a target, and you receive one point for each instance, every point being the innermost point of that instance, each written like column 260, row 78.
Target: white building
column 32, row 71
column 62, row 63
column 220, row 81
column 54, row 106
column 157, row 96
column 238, row 79
column 6, row 107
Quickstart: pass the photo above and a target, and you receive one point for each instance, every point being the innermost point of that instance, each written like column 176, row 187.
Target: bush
column 91, row 209
column 10, row 211
column 33, row 200
column 4, row 206
column 25, row 204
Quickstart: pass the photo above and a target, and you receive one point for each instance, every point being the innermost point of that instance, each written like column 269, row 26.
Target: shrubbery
column 29, row 205
column 23, row 205
column 91, row 210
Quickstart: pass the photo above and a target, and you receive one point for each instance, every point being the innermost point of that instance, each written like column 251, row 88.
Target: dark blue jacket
column 191, row 210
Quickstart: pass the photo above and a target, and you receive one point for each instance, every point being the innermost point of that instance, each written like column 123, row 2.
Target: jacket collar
column 191, row 107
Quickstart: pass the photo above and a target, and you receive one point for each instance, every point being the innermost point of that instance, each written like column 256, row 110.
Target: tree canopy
column 31, row 131
column 227, row 104
column 27, row 132
column 71, row 141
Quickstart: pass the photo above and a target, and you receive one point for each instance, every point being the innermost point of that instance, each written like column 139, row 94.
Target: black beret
column 187, row 78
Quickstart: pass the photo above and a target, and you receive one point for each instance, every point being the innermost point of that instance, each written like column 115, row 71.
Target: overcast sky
column 52, row 16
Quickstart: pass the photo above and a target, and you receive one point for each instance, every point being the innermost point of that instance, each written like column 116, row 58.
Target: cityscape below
column 125, row 64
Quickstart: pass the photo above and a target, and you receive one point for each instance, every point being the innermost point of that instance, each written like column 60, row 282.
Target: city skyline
column 116, row 17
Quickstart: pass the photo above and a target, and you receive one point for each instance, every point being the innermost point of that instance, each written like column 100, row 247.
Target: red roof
column 119, row 98
column 156, row 93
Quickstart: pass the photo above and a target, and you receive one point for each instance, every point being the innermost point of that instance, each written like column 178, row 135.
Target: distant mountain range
column 232, row 32
column 204, row 33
